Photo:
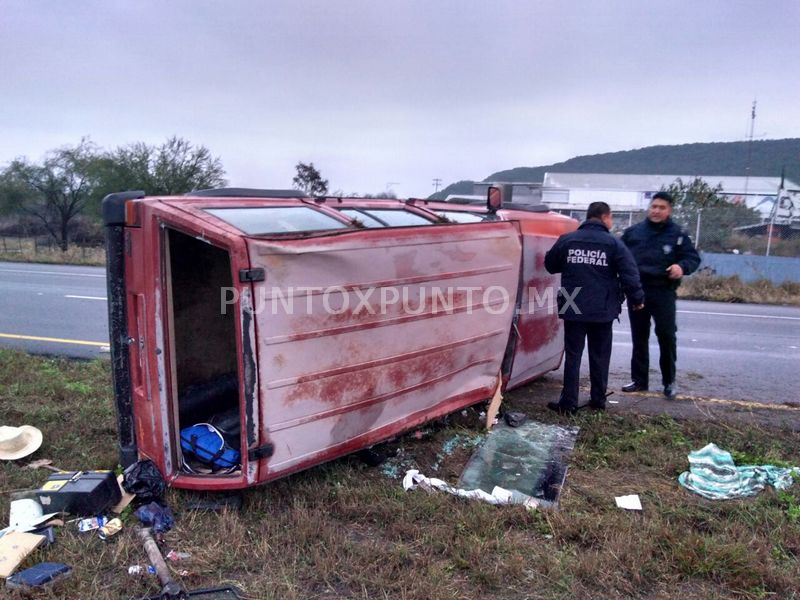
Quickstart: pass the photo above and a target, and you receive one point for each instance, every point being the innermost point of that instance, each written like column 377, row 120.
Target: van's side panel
column 540, row 345
column 369, row 333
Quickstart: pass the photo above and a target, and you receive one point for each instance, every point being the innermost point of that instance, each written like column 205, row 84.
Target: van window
column 276, row 219
column 362, row 217
column 459, row 216
column 397, row 218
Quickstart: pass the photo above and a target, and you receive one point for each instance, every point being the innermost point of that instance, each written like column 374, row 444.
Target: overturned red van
column 305, row 328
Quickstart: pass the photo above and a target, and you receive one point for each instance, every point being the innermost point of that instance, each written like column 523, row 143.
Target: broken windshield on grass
column 531, row 459
column 276, row 219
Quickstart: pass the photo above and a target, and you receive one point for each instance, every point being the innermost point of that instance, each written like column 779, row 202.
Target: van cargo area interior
column 204, row 369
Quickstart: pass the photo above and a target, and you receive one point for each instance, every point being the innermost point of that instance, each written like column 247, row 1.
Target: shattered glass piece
column 530, row 459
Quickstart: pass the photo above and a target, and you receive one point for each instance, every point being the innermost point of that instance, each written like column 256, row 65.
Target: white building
column 575, row 191
column 571, row 193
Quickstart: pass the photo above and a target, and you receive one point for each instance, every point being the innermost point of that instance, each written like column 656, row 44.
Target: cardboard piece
column 127, row 498
column 14, row 547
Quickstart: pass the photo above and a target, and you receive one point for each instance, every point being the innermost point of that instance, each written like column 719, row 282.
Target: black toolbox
column 80, row 493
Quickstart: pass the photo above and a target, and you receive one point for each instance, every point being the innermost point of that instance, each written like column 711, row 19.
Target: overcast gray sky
column 393, row 94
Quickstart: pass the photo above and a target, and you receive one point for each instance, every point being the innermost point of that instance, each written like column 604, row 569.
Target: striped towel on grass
column 713, row 474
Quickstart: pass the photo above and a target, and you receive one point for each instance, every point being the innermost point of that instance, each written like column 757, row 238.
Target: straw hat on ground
column 18, row 442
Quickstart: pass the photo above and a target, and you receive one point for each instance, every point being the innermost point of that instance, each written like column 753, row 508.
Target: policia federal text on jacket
column 664, row 253
column 595, row 268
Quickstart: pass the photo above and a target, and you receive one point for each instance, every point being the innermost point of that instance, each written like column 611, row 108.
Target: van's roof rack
column 247, row 193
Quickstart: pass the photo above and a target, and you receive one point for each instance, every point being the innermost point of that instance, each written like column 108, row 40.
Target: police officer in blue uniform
column 664, row 253
column 596, row 269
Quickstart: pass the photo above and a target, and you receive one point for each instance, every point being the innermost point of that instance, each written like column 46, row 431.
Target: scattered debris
column 515, row 419
column 42, row 463
column 498, row 495
column 171, row 588
column 396, row 466
column 454, row 443
column 143, row 479
column 26, row 514
column 43, row 575
column 630, row 502
column 157, row 516
column 80, row 493
column 174, row 556
column 15, row 546
column 91, row 523
column 530, row 459
column 713, row 475
column 125, row 498
column 112, row 528
column 140, row 570
column 19, row 442
column 48, row 532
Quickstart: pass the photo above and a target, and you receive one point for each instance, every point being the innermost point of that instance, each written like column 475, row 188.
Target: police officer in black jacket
column 596, row 268
column 664, row 253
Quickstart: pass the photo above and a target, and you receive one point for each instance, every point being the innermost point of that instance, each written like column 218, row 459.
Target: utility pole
column 749, row 150
column 436, row 183
column 697, row 231
column 775, row 211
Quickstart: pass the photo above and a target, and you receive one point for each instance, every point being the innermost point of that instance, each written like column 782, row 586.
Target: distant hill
column 718, row 158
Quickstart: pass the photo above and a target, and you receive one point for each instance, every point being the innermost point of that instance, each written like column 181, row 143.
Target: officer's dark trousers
column 659, row 303
column 575, row 335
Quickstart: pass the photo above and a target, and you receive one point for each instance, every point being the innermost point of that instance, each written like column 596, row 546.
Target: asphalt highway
column 54, row 309
column 729, row 351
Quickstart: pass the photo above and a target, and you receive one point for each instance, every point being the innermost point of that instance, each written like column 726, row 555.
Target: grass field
column 16, row 249
column 732, row 289
column 346, row 530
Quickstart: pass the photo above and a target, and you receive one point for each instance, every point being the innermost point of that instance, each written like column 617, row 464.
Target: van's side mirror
column 494, row 199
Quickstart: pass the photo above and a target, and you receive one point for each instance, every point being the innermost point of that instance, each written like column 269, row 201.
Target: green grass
column 345, row 530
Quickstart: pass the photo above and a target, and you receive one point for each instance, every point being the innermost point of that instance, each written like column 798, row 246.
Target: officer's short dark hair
column 666, row 196
column 597, row 210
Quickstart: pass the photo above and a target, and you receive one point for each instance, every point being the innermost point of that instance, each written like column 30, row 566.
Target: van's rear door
column 364, row 334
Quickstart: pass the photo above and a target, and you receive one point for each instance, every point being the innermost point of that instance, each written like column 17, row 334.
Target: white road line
column 720, row 314
column 63, row 274
column 86, row 297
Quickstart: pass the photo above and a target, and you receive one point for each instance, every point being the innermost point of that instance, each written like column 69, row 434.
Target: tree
column 698, row 201
column 310, row 180
column 55, row 191
column 176, row 167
